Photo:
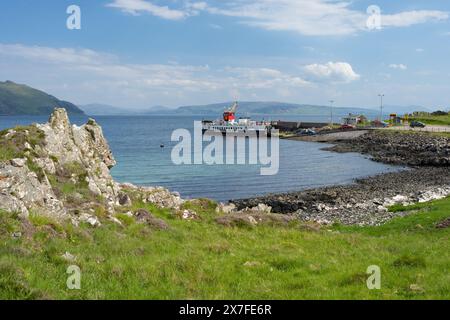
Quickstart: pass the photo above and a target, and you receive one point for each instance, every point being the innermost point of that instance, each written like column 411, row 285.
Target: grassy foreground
column 204, row 260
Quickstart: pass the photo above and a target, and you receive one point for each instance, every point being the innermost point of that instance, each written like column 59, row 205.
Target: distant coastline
column 248, row 108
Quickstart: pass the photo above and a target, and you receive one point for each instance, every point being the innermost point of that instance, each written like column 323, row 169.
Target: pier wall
column 295, row 125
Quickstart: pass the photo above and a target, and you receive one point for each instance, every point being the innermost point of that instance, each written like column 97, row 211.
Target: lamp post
column 381, row 95
column 331, row 111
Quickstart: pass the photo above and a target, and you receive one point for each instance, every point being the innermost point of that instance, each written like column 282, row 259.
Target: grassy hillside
column 18, row 99
column 205, row 260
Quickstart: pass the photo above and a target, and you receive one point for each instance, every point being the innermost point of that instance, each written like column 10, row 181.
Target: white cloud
column 54, row 55
column 332, row 71
column 307, row 17
column 409, row 18
column 196, row 5
column 90, row 76
column 85, row 76
column 136, row 7
column 264, row 78
column 398, row 66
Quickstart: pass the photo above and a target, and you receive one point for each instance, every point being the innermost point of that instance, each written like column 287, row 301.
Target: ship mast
column 233, row 108
column 229, row 114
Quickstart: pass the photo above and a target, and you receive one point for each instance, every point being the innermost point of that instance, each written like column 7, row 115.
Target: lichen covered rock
column 158, row 196
column 22, row 191
column 53, row 165
column 67, row 144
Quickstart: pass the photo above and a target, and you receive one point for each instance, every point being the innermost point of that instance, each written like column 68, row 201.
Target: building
column 352, row 119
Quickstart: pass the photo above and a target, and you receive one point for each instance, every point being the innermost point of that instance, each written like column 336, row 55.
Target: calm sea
column 136, row 141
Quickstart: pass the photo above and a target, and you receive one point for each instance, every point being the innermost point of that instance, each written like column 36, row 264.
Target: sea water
column 136, row 143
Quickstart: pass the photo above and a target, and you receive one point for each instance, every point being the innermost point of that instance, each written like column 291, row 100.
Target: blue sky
column 140, row 53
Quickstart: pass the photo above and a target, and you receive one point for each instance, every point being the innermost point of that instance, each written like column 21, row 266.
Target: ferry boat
column 242, row 126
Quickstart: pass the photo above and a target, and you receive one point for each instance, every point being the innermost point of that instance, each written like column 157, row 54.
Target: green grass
column 436, row 120
column 13, row 145
column 204, row 260
column 392, row 130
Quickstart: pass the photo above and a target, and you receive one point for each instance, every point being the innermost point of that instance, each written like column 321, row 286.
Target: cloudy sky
column 141, row 53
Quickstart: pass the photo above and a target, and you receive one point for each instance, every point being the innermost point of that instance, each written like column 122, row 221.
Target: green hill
column 19, row 99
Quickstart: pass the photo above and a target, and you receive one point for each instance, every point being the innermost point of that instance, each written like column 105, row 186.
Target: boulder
column 124, row 199
column 143, row 216
column 226, row 208
column 189, row 215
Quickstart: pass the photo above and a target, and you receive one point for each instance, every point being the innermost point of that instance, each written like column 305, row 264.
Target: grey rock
column 19, row 163
column 21, row 191
column 189, row 215
column 16, row 235
column 69, row 257
column 124, row 199
column 159, row 196
column 143, row 216
column 225, row 208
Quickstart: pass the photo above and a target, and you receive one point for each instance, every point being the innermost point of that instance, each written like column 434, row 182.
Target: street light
column 381, row 95
column 331, row 110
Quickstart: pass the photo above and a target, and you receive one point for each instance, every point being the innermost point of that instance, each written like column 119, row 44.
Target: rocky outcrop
column 62, row 170
column 67, row 144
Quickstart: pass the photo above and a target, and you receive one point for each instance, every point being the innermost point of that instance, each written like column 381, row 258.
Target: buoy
column 161, row 146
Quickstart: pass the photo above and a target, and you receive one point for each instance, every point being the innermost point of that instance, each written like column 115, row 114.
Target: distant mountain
column 159, row 110
column 250, row 108
column 404, row 109
column 97, row 109
column 273, row 108
column 19, row 99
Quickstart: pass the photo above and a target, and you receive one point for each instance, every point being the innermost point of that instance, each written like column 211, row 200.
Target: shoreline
column 366, row 201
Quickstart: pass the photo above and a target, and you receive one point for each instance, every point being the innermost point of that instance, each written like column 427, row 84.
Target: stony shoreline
column 366, row 201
